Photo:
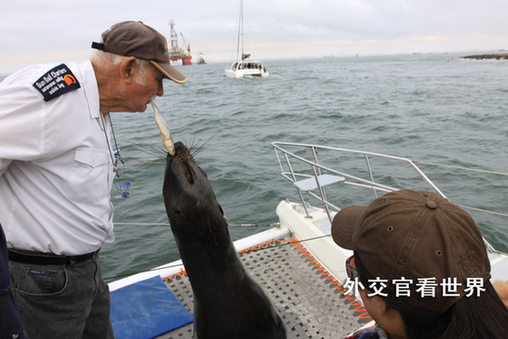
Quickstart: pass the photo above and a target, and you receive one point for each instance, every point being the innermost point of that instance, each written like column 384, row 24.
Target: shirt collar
column 91, row 89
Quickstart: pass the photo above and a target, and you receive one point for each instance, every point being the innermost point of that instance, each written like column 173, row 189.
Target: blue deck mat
column 146, row 309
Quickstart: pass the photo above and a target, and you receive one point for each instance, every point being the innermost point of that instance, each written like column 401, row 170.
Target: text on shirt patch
column 56, row 82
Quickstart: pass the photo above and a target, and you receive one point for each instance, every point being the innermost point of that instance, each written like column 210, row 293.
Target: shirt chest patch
column 56, row 82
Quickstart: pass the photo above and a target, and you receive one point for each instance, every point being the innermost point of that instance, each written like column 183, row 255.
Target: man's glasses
column 351, row 270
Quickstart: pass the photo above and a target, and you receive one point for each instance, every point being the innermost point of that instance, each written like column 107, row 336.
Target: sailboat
column 244, row 66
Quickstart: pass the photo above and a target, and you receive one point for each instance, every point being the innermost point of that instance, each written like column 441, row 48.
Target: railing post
column 299, row 191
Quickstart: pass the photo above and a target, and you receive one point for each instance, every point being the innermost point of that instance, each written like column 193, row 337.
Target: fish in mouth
column 167, row 139
column 227, row 302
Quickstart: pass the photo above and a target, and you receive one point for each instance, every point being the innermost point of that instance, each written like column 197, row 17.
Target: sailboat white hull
column 240, row 69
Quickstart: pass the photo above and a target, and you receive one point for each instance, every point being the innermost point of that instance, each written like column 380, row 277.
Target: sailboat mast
column 239, row 42
column 241, row 13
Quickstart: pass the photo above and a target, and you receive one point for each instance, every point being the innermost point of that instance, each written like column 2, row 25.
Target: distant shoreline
column 487, row 57
column 490, row 56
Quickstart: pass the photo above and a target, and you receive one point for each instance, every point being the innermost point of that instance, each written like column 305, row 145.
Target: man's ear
column 381, row 306
column 127, row 69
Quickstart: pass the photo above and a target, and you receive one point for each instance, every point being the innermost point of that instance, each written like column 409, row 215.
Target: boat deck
column 310, row 300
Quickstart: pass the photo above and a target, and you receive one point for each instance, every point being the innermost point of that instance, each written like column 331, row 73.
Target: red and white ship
column 177, row 55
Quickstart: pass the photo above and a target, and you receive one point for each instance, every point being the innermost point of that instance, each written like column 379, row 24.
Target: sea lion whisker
column 191, row 146
column 154, row 149
column 199, row 148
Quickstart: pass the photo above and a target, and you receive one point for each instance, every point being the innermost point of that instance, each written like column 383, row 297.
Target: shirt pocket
column 88, row 181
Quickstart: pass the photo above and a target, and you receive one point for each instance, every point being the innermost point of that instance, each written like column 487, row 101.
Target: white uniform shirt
column 55, row 165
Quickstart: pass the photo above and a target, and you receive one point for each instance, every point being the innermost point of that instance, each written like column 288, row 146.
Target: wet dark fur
column 227, row 302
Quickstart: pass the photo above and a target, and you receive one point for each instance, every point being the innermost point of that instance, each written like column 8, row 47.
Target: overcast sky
column 39, row 31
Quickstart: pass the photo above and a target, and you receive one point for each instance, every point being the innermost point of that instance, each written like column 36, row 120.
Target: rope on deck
column 414, row 161
column 459, row 167
column 167, row 224
column 485, row 211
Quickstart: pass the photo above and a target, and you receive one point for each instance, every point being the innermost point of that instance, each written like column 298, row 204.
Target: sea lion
column 227, row 302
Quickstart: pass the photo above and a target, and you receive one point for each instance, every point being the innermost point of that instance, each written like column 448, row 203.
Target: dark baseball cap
column 411, row 235
column 134, row 38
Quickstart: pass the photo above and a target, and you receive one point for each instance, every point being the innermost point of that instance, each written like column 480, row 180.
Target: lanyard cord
column 117, row 151
column 113, row 162
column 114, row 138
column 124, row 186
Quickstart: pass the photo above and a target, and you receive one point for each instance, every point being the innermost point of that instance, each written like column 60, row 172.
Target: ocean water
column 434, row 108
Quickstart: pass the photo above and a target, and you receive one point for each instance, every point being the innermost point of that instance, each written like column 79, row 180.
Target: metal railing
column 316, row 176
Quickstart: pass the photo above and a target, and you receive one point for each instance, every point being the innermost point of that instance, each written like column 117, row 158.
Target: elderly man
column 56, row 171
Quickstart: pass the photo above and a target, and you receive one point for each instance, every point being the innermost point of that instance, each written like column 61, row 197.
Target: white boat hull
column 245, row 73
column 314, row 233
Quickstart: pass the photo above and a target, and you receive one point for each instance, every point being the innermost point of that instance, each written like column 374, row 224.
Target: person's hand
column 501, row 288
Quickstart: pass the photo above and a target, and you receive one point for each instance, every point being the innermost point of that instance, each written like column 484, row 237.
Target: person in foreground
column 57, row 167
column 421, row 267
column 10, row 324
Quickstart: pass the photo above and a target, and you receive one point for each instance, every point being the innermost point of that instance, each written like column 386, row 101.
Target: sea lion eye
column 189, row 172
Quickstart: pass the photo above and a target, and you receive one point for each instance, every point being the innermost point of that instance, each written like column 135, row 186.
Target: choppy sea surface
column 435, row 108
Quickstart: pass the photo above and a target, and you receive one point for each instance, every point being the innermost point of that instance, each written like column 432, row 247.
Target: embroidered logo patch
column 56, row 82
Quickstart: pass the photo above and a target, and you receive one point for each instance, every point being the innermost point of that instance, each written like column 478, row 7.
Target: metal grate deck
column 309, row 300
